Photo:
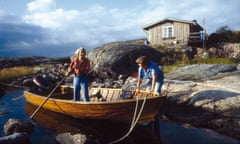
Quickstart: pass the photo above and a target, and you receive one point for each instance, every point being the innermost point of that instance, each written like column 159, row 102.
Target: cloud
column 49, row 28
column 19, row 37
column 96, row 24
column 39, row 5
column 216, row 13
column 1, row 13
column 53, row 19
column 92, row 26
column 44, row 13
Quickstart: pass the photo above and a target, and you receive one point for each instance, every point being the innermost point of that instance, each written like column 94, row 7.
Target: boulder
column 200, row 72
column 213, row 101
column 68, row 138
column 15, row 125
column 201, row 95
column 112, row 60
column 17, row 132
column 16, row 138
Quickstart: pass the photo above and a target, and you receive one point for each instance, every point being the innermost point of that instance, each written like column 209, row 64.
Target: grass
column 9, row 74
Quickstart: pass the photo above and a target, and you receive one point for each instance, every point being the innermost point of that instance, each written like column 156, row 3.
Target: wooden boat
column 105, row 103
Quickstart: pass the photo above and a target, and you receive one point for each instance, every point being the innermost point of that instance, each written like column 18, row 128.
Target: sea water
column 49, row 124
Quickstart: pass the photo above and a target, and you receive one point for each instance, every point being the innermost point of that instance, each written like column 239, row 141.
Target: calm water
column 49, row 124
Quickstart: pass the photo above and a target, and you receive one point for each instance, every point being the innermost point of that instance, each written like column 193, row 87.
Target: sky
column 56, row 28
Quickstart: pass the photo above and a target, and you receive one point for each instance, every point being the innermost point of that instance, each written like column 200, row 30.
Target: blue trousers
column 157, row 88
column 80, row 82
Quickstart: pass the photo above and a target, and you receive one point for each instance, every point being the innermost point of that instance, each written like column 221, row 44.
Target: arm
column 70, row 68
column 139, row 81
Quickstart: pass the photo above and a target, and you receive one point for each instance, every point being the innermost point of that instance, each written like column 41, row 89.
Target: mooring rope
column 16, row 98
column 134, row 119
column 13, row 85
column 135, row 112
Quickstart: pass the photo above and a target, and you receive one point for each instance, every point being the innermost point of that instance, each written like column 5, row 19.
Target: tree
column 224, row 34
column 223, row 29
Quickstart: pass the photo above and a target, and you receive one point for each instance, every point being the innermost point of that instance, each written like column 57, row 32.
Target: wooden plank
column 195, row 33
column 194, row 37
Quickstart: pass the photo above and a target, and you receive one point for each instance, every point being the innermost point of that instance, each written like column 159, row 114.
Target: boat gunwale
column 129, row 100
column 37, row 99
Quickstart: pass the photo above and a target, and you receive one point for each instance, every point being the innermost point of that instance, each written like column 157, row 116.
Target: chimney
column 194, row 22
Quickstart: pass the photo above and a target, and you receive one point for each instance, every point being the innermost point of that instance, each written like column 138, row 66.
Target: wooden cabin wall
column 181, row 33
column 154, row 35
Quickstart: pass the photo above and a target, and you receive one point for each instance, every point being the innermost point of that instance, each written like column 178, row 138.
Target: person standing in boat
column 80, row 66
column 149, row 70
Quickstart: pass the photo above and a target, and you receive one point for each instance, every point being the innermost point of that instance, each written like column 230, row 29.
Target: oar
column 49, row 95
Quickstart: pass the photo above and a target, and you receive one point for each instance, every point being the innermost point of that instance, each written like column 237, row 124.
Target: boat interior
column 96, row 94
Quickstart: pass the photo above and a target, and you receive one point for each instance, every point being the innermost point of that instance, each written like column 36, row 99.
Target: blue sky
column 55, row 28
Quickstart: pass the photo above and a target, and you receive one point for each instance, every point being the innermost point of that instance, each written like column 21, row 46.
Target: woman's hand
column 137, row 90
column 67, row 73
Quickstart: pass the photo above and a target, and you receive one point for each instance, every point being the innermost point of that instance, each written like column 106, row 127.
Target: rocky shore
column 200, row 95
column 212, row 101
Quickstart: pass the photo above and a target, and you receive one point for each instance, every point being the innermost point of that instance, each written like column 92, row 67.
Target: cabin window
column 167, row 31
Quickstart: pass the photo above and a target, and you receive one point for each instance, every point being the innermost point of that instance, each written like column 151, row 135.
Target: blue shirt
column 152, row 68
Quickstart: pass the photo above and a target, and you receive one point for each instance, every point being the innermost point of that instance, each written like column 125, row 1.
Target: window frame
column 167, row 31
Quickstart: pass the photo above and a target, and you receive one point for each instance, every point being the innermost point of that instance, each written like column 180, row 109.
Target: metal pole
column 203, row 35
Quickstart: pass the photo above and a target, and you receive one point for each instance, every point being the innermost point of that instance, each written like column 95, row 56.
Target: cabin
column 170, row 32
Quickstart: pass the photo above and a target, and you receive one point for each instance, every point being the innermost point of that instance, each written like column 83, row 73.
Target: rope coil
column 135, row 119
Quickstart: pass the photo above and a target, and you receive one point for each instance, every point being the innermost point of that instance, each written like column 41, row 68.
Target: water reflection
column 101, row 130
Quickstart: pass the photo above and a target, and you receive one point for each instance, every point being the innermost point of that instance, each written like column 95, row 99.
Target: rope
column 134, row 120
column 135, row 112
column 16, row 98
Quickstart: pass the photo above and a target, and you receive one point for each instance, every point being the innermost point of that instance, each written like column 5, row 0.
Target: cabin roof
column 146, row 27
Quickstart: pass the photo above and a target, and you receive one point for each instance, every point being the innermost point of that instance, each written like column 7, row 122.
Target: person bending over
column 149, row 70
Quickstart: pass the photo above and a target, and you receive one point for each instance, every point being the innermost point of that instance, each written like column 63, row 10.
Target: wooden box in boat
column 110, row 104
